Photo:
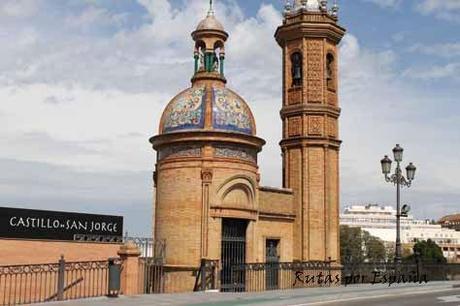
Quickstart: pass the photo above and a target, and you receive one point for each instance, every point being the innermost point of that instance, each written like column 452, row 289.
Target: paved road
column 448, row 298
column 433, row 293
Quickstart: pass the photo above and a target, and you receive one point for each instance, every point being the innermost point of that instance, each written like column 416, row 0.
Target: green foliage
column 351, row 244
column 357, row 246
column 428, row 251
column 375, row 249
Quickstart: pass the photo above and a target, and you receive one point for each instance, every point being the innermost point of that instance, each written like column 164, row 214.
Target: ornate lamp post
column 399, row 180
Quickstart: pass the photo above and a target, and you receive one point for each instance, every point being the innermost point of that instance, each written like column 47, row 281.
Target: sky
column 83, row 84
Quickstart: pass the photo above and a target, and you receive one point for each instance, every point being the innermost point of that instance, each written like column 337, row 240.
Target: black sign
column 56, row 225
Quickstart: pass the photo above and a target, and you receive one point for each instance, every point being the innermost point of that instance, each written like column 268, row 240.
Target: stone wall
column 20, row 251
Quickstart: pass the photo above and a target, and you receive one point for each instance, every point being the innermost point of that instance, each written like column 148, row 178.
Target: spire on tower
column 211, row 11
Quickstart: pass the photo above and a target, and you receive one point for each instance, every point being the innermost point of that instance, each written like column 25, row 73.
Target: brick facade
column 310, row 143
column 22, row 251
column 207, row 172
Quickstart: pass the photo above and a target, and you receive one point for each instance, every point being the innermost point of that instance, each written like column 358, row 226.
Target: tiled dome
column 210, row 23
column 230, row 112
column 187, row 112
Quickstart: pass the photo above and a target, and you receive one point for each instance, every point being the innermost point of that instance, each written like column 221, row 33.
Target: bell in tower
column 296, row 69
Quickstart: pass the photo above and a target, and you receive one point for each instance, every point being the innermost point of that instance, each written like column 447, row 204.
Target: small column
column 206, row 177
column 129, row 254
column 221, row 59
column 196, row 56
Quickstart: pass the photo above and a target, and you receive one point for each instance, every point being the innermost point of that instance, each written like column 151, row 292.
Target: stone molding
column 206, row 175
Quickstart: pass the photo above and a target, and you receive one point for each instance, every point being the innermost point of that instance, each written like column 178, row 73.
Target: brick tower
column 310, row 146
column 206, row 173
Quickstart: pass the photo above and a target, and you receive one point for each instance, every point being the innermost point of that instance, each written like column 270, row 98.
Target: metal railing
column 149, row 247
column 440, row 271
column 254, row 277
column 206, row 276
column 36, row 283
column 151, row 276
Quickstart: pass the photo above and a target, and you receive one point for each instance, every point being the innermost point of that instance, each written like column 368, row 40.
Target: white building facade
column 380, row 221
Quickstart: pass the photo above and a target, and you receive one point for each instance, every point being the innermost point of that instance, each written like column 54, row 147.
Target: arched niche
column 200, row 50
column 237, row 192
column 296, row 68
column 331, row 71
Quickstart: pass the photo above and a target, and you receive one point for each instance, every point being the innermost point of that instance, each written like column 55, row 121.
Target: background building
column 451, row 221
column 380, row 221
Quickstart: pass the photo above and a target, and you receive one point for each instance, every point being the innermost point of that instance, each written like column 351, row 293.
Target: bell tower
column 310, row 112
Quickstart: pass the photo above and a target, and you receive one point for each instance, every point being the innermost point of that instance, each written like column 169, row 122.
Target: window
column 296, row 69
column 330, row 71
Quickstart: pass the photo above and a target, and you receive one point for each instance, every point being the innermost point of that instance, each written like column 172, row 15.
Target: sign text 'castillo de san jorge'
column 41, row 224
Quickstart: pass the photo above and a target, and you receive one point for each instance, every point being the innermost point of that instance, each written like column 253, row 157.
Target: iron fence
column 440, row 271
column 409, row 271
column 149, row 247
column 151, row 276
column 253, row 277
column 380, row 272
column 36, row 283
column 206, row 276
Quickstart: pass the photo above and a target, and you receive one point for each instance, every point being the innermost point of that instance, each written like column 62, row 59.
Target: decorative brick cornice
column 310, row 141
column 310, row 109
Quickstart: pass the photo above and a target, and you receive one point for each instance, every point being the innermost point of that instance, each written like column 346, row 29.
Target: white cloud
column 447, row 50
column 381, row 108
column 386, row 3
column 82, row 101
column 442, row 9
column 451, row 71
column 19, row 8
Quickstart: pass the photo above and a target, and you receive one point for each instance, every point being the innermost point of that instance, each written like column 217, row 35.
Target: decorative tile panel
column 295, row 96
column 331, row 98
column 332, row 127
column 186, row 112
column 230, row 113
column 180, row 151
column 315, row 75
column 315, row 125
column 295, row 126
column 236, row 152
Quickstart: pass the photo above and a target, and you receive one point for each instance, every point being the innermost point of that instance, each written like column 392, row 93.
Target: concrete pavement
column 403, row 294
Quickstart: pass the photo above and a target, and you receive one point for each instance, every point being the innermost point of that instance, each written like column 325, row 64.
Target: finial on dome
column 287, row 7
column 211, row 11
column 323, row 5
column 335, row 9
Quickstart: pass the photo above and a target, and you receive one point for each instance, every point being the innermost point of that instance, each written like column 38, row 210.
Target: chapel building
column 209, row 203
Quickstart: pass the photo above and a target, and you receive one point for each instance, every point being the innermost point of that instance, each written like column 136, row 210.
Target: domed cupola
column 208, row 105
column 188, row 111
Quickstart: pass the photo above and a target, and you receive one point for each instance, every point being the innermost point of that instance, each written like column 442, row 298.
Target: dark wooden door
column 272, row 264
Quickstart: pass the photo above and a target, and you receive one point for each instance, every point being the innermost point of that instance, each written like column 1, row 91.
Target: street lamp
column 399, row 180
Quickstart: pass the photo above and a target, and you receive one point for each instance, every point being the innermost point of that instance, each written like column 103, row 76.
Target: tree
column 428, row 251
column 357, row 246
column 374, row 247
column 351, row 244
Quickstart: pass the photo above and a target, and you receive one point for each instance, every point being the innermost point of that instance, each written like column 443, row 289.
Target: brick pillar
column 129, row 254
